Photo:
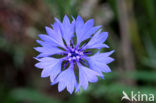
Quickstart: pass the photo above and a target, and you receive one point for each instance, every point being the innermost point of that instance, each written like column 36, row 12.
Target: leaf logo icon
column 125, row 96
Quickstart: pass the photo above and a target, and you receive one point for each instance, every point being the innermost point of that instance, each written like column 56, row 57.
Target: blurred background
column 132, row 34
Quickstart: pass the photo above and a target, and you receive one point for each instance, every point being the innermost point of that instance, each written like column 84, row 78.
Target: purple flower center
column 74, row 54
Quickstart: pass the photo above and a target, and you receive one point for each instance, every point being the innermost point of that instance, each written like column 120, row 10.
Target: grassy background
column 132, row 33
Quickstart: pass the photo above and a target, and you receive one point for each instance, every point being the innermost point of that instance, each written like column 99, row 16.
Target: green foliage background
column 22, row 20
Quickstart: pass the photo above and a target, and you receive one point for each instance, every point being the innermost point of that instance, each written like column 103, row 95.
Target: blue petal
column 51, row 67
column 99, row 67
column 61, row 86
column 56, row 28
column 103, row 57
column 55, row 34
column 86, row 75
column 67, row 29
column 52, row 40
column 92, row 30
column 97, row 40
column 45, row 51
column 82, row 29
column 79, row 28
column 66, row 20
column 84, row 35
column 46, row 44
column 79, row 23
column 99, row 61
column 66, row 79
column 52, row 70
column 55, row 71
column 46, row 61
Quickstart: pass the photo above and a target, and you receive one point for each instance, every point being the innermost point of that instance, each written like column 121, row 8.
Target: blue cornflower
column 66, row 54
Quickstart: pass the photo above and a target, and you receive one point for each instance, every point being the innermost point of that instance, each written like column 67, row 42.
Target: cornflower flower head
column 66, row 54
